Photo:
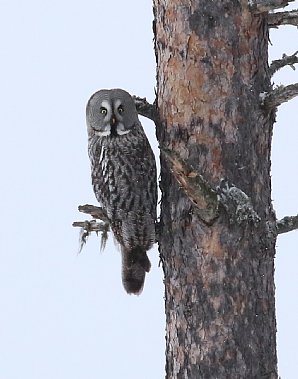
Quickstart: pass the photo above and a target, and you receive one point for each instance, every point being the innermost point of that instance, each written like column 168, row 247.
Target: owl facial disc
column 111, row 113
column 113, row 124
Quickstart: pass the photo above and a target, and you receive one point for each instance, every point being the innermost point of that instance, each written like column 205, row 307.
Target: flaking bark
column 219, row 279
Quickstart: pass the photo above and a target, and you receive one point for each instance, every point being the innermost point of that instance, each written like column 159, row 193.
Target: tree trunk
column 212, row 66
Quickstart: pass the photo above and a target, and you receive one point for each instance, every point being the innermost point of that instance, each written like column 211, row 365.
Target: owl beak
column 113, row 121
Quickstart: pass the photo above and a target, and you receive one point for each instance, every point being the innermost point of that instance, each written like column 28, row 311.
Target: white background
column 64, row 315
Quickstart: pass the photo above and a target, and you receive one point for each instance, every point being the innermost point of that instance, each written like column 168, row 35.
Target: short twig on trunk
column 262, row 6
column 279, row 95
column 287, row 224
column 286, row 60
column 145, row 109
column 283, row 18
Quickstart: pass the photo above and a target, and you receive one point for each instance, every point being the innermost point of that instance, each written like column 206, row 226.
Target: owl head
column 111, row 112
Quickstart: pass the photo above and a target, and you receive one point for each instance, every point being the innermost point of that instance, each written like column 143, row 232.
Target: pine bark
column 212, row 66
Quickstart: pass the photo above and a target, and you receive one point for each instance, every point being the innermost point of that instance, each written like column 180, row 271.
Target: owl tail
column 135, row 264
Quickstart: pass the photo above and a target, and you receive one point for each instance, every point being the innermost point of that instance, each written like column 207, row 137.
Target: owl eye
column 103, row 110
column 120, row 109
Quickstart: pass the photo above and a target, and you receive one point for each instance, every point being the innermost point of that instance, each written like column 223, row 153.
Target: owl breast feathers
column 123, row 175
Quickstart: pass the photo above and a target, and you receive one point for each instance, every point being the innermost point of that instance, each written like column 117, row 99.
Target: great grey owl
column 123, row 175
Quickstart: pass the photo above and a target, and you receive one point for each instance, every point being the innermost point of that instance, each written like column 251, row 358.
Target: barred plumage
column 123, row 174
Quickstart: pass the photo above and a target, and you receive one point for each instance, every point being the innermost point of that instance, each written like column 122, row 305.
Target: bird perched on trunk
column 123, row 172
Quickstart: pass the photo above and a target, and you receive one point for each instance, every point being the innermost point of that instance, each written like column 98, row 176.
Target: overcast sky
column 65, row 315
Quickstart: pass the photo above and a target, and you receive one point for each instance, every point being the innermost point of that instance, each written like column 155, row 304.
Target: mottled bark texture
column 219, row 279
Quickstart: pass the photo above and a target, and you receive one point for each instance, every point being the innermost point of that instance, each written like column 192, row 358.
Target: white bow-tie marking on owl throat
column 120, row 129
